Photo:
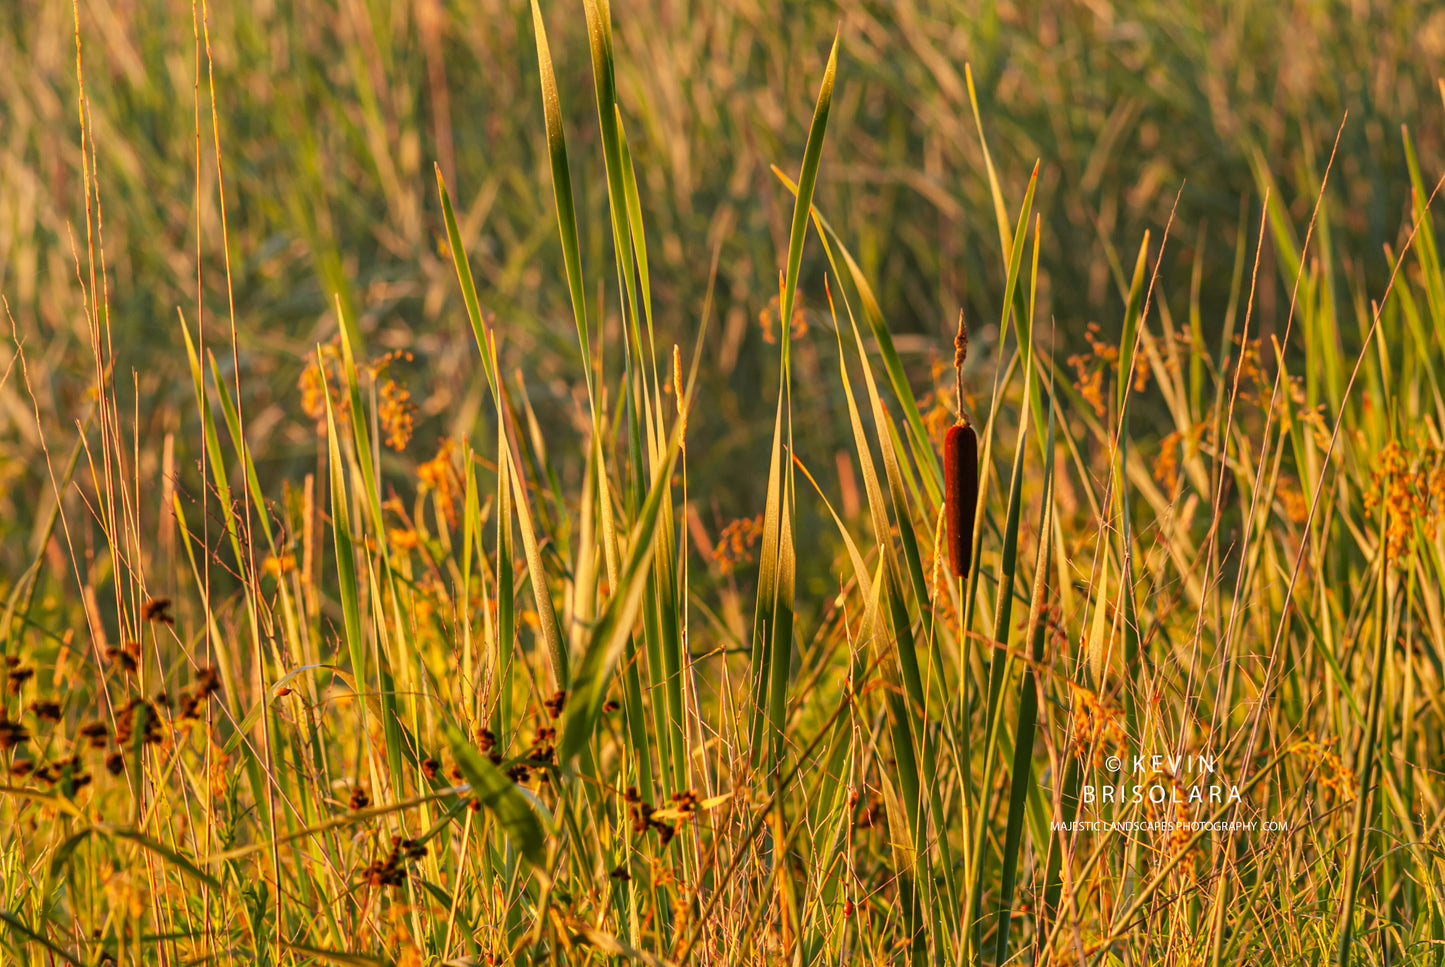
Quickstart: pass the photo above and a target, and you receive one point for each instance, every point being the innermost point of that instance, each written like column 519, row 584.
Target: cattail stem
column 960, row 355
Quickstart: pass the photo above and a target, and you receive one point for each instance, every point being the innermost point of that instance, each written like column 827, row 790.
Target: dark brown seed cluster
column 126, row 657
column 359, row 799
column 96, row 733
column 556, row 703
column 11, row 733
column 685, row 802
column 642, row 818
column 391, row 871
column 208, row 683
column 46, row 711
column 125, row 722
column 51, row 772
column 544, row 748
column 158, row 609
column 430, row 767
column 610, row 706
column 18, row 677
column 486, row 741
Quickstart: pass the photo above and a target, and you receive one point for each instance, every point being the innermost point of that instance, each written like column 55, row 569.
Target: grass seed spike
column 960, row 470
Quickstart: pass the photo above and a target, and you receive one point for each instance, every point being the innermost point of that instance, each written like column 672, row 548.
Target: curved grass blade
column 19, row 927
column 502, row 799
column 773, row 616
column 546, row 613
column 1022, row 769
column 589, row 685
column 918, row 439
column 561, row 193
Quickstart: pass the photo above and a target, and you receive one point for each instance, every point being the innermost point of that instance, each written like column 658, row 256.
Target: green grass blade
column 773, row 615
column 561, row 193
column 501, row 798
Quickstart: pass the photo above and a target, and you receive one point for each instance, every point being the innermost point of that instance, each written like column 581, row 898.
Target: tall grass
column 510, row 694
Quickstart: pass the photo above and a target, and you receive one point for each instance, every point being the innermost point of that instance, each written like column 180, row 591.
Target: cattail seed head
column 960, row 489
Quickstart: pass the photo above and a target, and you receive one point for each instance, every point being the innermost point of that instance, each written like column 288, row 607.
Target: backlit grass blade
column 347, row 585
column 1000, row 210
column 766, row 613
column 594, row 672
column 561, row 192
column 920, row 445
column 914, row 750
column 1367, row 751
column 1129, row 338
column 1022, row 769
column 999, row 665
column 464, row 278
column 807, row 180
column 541, row 591
column 773, row 616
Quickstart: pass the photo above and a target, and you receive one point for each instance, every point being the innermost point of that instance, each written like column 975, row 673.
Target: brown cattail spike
column 960, row 489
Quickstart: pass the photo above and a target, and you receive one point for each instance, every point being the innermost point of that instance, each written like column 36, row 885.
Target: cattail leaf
column 773, row 615
column 1000, row 210
column 562, row 196
column 807, row 180
column 347, row 585
column 1015, row 266
column 1021, row 788
column 541, row 594
column 464, row 277
column 913, row 747
column 614, row 630
column 919, row 443
column 1129, row 338
column 632, row 199
column 594, row 673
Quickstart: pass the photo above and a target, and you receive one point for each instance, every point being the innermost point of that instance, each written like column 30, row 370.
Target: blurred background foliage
column 333, row 113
